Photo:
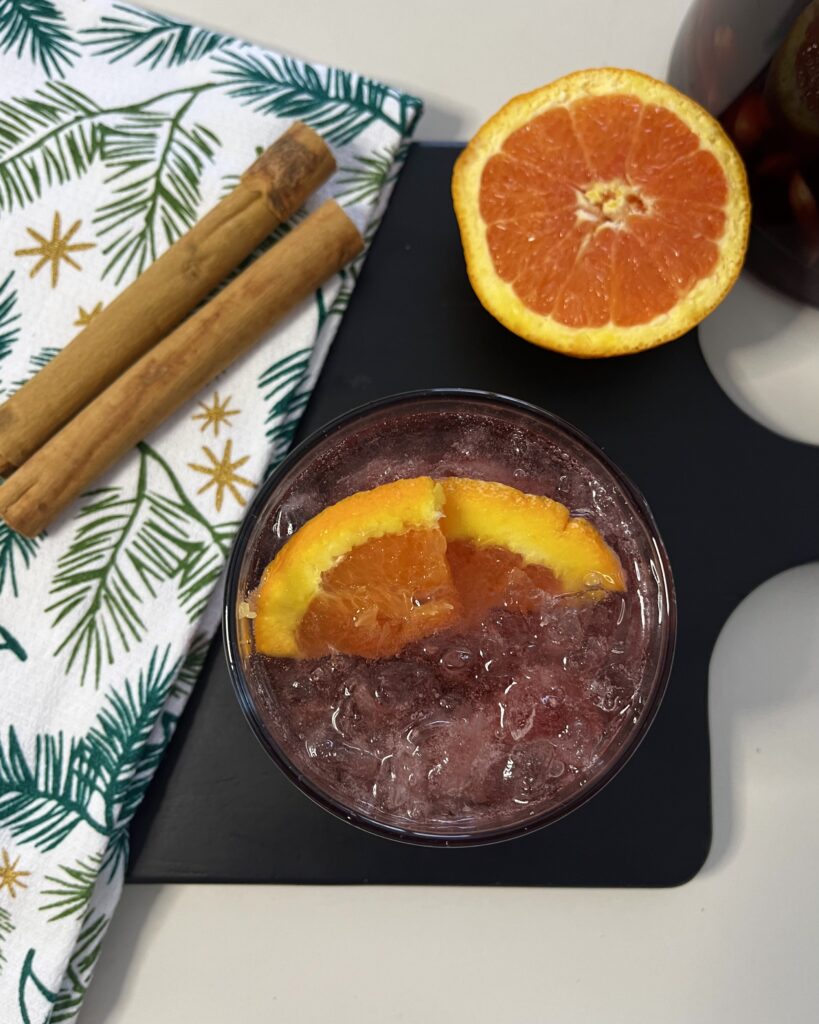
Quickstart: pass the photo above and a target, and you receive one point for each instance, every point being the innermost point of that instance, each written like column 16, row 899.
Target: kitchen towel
column 119, row 128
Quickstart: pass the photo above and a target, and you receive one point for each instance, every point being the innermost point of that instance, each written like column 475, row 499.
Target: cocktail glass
column 475, row 733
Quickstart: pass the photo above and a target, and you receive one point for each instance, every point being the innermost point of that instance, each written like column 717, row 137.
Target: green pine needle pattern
column 156, row 160
column 16, row 553
column 35, row 363
column 124, row 761
column 152, row 38
column 338, row 104
column 28, row 974
column 46, row 139
column 125, row 546
column 37, row 28
column 6, row 928
column 154, row 155
column 9, row 642
column 9, row 327
column 47, row 793
column 282, row 386
column 71, row 891
column 191, row 667
column 362, row 181
column 116, row 854
column 80, row 969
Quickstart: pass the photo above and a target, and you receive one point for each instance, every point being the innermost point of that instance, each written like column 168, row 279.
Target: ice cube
column 526, row 772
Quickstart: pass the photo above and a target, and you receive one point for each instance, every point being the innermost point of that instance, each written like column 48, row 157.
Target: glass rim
column 312, row 790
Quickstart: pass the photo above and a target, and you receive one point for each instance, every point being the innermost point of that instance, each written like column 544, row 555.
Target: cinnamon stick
column 269, row 192
column 177, row 368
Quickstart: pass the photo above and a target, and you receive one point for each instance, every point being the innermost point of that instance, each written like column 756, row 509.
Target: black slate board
column 735, row 504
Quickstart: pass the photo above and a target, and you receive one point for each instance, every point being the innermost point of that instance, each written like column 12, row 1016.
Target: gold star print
column 223, row 474
column 84, row 317
column 9, row 877
column 55, row 249
column 216, row 414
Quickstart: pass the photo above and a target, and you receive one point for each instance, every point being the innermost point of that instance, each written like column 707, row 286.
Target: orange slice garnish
column 601, row 214
column 365, row 576
column 394, row 564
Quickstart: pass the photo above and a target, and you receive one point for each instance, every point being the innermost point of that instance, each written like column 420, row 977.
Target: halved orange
column 387, row 566
column 601, row 214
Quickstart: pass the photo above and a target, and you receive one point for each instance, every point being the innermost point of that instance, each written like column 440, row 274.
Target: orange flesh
column 606, row 210
column 401, row 587
column 492, row 577
column 381, row 596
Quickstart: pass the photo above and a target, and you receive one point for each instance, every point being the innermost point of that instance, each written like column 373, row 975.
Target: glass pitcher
column 754, row 64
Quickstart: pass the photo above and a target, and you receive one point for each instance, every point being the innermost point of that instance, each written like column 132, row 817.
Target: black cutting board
column 735, row 504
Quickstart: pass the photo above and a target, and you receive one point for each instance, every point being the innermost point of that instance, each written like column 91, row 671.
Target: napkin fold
column 119, row 128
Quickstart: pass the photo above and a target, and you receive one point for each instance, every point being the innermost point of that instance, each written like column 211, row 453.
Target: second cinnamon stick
column 177, row 368
column 269, row 192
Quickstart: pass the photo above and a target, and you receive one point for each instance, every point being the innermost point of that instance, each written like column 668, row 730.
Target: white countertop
column 739, row 942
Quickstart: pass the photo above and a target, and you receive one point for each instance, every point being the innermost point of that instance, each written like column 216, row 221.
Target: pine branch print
column 152, row 38
column 45, row 140
column 284, row 387
column 8, row 642
column 338, row 104
column 28, row 974
column 191, row 667
column 58, row 133
column 46, row 793
column 16, row 553
column 43, row 797
column 116, row 855
column 37, row 27
column 6, row 928
column 94, row 580
column 71, row 891
column 280, row 380
column 118, row 742
column 35, row 363
column 125, row 547
column 362, row 181
column 9, row 326
column 80, row 969
column 199, row 571
column 156, row 159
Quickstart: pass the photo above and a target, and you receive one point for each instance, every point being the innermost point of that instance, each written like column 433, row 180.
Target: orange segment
column 381, row 596
column 538, row 529
column 606, row 127
column 295, row 576
column 491, row 577
column 602, row 214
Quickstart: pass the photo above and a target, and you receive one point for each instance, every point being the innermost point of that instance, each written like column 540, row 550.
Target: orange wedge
column 601, row 214
column 384, row 567
column 365, row 576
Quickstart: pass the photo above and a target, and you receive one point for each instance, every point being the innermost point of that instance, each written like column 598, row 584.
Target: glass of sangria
column 449, row 618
